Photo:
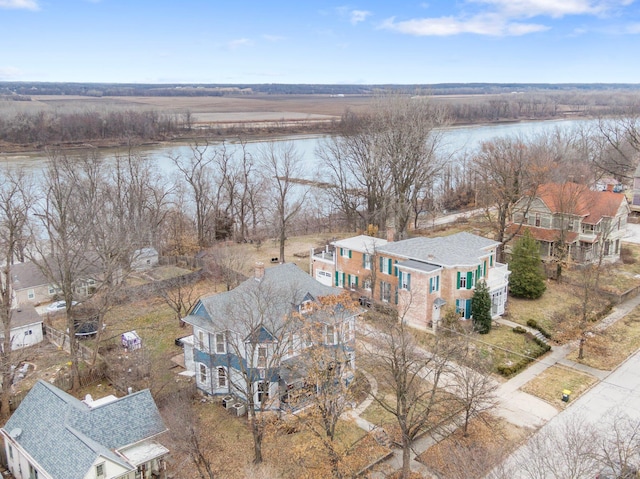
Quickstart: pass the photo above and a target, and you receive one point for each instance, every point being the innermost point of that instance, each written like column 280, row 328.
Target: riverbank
column 260, row 131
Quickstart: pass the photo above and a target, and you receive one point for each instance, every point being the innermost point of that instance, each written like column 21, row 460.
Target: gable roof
column 280, row 290
column 23, row 315
column 572, row 198
column 460, row 249
column 27, row 275
column 65, row 436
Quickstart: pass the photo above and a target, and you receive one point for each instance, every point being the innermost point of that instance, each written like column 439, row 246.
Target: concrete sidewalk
column 514, row 405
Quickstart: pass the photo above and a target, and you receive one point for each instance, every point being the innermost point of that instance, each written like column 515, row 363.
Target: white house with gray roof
column 252, row 341
column 53, row 435
column 420, row 275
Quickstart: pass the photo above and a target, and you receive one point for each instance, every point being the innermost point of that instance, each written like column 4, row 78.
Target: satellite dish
column 15, row 433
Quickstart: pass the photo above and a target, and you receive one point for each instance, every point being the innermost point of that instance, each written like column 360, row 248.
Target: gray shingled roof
column 275, row 296
column 24, row 315
column 27, row 275
column 460, row 249
column 65, row 436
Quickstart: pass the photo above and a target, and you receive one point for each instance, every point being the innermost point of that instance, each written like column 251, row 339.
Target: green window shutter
column 400, row 278
column 364, row 259
column 467, row 309
column 491, row 261
column 341, row 251
column 484, row 270
column 469, row 279
column 396, row 295
column 343, row 284
column 356, row 281
column 431, row 285
column 349, row 254
column 457, row 276
column 479, row 273
column 349, row 280
column 438, row 283
column 409, row 281
column 381, row 264
column 395, row 269
column 390, row 264
column 337, row 282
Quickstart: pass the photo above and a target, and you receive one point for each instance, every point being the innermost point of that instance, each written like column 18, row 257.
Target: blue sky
column 307, row 41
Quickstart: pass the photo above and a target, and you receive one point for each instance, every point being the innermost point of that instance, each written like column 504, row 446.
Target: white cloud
column 358, row 16
column 273, row 38
column 20, row 4
column 240, row 42
column 503, row 17
column 9, row 73
column 491, row 25
column 633, row 28
column 551, row 8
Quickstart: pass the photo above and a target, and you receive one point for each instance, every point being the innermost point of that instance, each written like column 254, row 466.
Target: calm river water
column 456, row 141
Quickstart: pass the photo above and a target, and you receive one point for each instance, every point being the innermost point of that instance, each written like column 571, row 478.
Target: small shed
column 131, row 340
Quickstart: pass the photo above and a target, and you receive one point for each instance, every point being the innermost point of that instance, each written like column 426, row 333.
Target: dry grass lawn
column 550, row 384
column 489, row 441
column 606, row 349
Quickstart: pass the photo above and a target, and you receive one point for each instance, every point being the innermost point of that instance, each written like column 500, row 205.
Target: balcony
column 324, row 255
column 498, row 276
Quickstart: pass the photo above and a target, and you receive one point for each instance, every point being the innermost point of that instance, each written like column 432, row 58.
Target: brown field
column 217, row 108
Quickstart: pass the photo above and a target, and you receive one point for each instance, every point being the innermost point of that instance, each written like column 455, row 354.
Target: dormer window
column 306, row 307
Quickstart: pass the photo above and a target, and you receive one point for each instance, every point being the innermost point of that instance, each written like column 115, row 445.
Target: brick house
column 417, row 275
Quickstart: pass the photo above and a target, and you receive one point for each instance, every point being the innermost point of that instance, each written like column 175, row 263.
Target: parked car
column 59, row 306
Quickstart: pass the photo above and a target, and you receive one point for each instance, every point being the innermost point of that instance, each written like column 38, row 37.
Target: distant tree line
column 49, row 128
column 218, row 89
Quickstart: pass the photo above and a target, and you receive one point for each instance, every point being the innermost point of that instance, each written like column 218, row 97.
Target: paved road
column 618, row 394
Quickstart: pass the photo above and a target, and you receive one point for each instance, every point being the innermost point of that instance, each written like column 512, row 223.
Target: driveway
column 633, row 233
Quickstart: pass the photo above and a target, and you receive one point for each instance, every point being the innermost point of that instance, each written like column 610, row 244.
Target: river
column 455, row 141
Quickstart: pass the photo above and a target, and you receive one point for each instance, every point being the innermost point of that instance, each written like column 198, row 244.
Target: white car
column 59, row 306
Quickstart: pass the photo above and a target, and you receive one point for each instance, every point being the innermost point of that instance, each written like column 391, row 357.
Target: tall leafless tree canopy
column 384, row 160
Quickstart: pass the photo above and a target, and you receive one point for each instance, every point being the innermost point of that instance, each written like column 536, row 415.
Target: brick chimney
column 390, row 234
column 259, row 271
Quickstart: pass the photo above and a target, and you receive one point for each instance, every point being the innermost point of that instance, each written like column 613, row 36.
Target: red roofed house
column 590, row 223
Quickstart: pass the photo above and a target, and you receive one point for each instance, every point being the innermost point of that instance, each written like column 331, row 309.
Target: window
column 306, row 307
column 537, row 219
column 33, row 472
column 404, row 280
column 345, row 253
column 221, row 346
column 462, row 281
column 385, row 291
column 203, row 373
column 386, row 265
column 263, row 391
column 200, row 340
column 367, row 284
column 330, row 336
column 366, row 261
column 434, row 284
column 339, row 279
column 262, row 357
column 353, row 281
column 10, row 451
column 222, row 378
column 31, row 294
column 100, row 471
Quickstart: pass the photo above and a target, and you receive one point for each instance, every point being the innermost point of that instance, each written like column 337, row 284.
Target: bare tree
column 16, row 203
column 329, row 371
column 407, row 139
column 197, row 171
column 186, row 429
column 507, row 169
column 282, row 165
column 415, row 378
column 180, row 297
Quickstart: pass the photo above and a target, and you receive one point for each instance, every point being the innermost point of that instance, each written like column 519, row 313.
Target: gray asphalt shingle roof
column 460, row 249
column 282, row 288
column 65, row 436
